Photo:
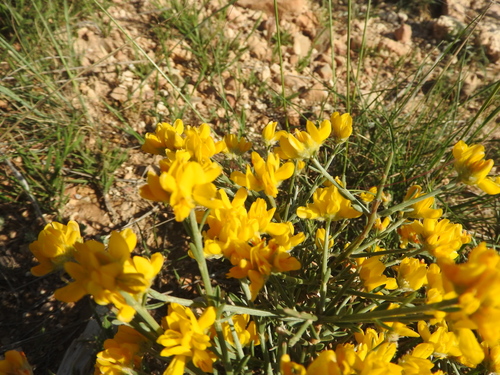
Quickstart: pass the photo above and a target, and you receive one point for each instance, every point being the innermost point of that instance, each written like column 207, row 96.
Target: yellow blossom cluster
column 98, row 271
column 122, row 354
column 187, row 338
column 15, row 363
column 371, row 355
column 254, row 244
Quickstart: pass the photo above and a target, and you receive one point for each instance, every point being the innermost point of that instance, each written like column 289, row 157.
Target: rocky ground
column 114, row 74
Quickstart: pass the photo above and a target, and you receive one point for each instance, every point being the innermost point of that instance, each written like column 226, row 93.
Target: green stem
column 282, row 74
column 325, row 271
column 142, row 312
column 406, row 312
column 343, row 191
column 197, row 250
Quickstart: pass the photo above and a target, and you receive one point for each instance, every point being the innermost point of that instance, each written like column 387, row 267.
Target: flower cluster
column 187, row 338
column 122, row 354
column 15, row 363
column 254, row 244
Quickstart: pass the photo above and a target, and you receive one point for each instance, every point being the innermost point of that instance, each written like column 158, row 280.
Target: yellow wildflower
column 412, row 274
column 416, row 362
column 421, row 209
column 121, row 354
column 441, row 238
column 472, row 169
column 341, row 126
column 477, row 283
column 183, row 184
column 270, row 135
column 398, row 329
column 185, row 338
column 303, row 145
column 200, row 144
column 492, row 354
column 241, row 327
column 103, row 274
column 320, row 239
column 328, row 204
column 55, row 246
column 165, row 137
column 268, row 174
column 15, row 363
column 369, row 196
column 371, row 273
column 235, row 146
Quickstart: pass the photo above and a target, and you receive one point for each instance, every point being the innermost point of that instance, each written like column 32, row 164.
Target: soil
column 116, row 75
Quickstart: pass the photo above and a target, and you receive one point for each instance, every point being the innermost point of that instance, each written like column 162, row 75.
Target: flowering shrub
column 323, row 288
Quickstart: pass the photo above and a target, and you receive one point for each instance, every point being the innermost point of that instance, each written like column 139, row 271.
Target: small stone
column 324, row 71
column 394, row 46
column 470, row 84
column 403, row 33
column 120, row 94
column 301, row 44
column 259, row 48
column 316, row 94
column 447, row 27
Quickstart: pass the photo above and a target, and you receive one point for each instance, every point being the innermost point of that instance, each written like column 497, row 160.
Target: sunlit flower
column 15, row 363
column 472, row 169
column 369, row 196
column 381, row 225
column 441, row 238
column 165, row 137
column 371, row 272
column 267, row 176
column 183, row 184
column 55, row 246
column 421, row 209
column 303, row 145
column 243, row 328
column 186, row 338
column 103, row 274
column 341, row 126
column 320, row 239
column 417, row 362
column 492, row 354
column 200, row 144
column 122, row 354
column 477, row 284
column 270, row 135
column 236, row 146
column 328, row 204
column 412, row 274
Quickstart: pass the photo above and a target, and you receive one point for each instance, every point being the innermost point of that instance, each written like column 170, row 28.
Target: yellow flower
column 235, row 146
column 371, row 273
column 55, row 246
column 477, row 284
column 165, row 137
column 412, row 274
column 440, row 238
column 369, row 196
column 200, row 144
column 328, row 204
column 320, row 239
column 183, row 184
column 303, row 145
column 492, row 353
column 472, row 169
column 421, row 209
column 416, row 362
column 241, row 327
column 268, row 174
column 121, row 354
column 270, row 135
column 288, row 367
column 186, row 337
column 103, row 274
column 342, row 126
column 15, row 363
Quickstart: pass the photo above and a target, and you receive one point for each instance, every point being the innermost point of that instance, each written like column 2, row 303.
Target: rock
column 119, row 94
column 315, row 94
column 286, row 8
column 324, row 71
column 259, row 48
column 308, row 23
column 470, row 84
column 301, row 44
column 265, row 73
column 394, row 46
column 403, row 33
column 457, row 9
column 447, row 27
column 294, row 82
column 490, row 38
